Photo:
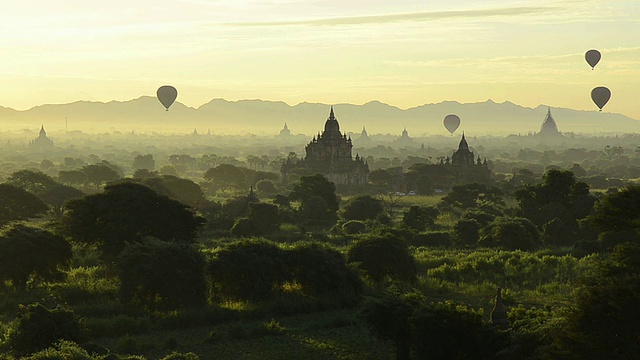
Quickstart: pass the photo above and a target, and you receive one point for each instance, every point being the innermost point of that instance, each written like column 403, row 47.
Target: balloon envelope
column 600, row 96
column 167, row 94
column 451, row 122
column 593, row 57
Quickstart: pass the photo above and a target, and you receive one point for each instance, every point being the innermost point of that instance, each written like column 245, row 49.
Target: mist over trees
column 130, row 235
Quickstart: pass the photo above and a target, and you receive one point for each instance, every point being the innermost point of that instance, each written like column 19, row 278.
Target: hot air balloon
column 451, row 123
column 167, row 94
column 593, row 57
column 600, row 96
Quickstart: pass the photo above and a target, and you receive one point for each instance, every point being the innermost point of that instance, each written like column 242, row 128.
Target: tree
column 603, row 323
column 420, row 218
column 558, row 196
column 380, row 256
column 317, row 196
column 380, row 177
column 467, row 231
column 34, row 182
column 469, row 195
column 226, row 176
column 57, row 195
column 179, row 189
column 27, row 250
column 388, row 318
column 144, row 174
column 162, row 275
column 38, row 327
column 98, row 174
column 362, row 207
column 266, row 188
column 264, row 216
column 18, row 204
column 352, row 227
column 76, row 177
column 320, row 269
column 144, row 162
column 446, row 330
column 126, row 213
column 618, row 211
column 424, row 185
column 423, row 330
column 510, row 234
column 247, row 270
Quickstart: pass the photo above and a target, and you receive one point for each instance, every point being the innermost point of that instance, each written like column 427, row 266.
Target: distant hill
column 268, row 117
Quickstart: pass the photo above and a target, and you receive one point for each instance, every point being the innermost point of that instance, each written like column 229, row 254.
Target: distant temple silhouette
column 42, row 142
column 549, row 128
column 364, row 137
column 329, row 154
column 285, row 131
column 464, row 156
column 404, row 139
column 466, row 166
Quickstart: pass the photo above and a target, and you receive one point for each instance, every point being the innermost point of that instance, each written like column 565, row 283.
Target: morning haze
column 322, row 179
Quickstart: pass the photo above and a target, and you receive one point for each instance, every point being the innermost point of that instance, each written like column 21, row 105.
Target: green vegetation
column 154, row 267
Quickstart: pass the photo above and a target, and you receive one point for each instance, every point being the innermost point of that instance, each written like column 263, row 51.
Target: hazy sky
column 405, row 53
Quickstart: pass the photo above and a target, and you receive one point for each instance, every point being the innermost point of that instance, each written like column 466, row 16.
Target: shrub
column 181, row 356
column 246, row 270
column 264, row 216
column 383, row 255
column 319, row 269
column 46, row 253
column 244, row 227
column 354, row 227
column 38, row 327
column 433, row 238
column 62, row 350
column 420, row 218
column 362, row 207
column 467, row 231
column 162, row 274
column 511, row 234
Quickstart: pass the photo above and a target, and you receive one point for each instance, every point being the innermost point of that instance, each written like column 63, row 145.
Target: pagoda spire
column 499, row 317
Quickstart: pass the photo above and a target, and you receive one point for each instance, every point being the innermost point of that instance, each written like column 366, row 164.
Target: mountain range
column 268, row 117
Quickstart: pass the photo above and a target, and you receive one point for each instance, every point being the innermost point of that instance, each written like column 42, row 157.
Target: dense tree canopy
column 559, row 195
column 362, row 207
column 618, row 211
column 34, row 182
column 317, row 196
column 162, row 275
column 18, row 204
column 511, row 234
column 470, row 195
column 420, row 218
column 27, row 250
column 99, row 174
column 126, row 213
column 144, row 162
column 603, row 324
column 380, row 256
column 226, row 176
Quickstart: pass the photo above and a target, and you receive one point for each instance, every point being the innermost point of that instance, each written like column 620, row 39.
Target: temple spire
column 499, row 317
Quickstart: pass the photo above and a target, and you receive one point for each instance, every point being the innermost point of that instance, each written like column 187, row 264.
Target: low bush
column 38, row 327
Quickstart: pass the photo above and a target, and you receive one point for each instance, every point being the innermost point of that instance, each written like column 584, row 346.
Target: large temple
column 466, row 166
column 329, row 154
column 42, row 142
column 549, row 127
